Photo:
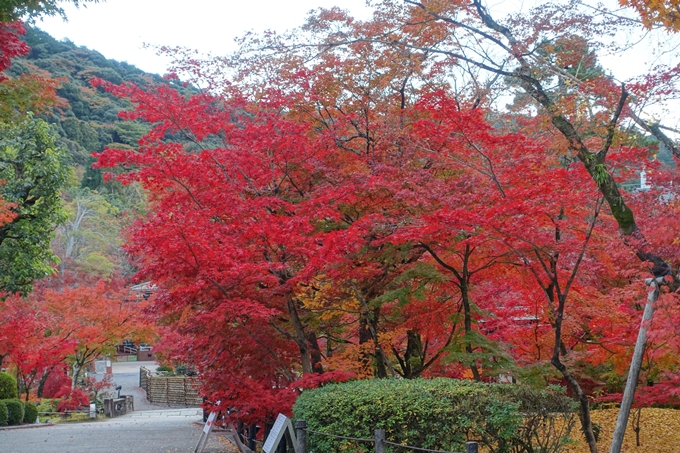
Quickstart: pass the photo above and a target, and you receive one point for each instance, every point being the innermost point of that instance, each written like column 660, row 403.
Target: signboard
column 282, row 427
column 206, row 433
column 209, row 424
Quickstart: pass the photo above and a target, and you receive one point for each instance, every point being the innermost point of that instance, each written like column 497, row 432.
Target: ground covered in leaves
column 659, row 432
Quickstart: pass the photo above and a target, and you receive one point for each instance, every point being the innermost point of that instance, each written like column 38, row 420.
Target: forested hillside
column 86, row 117
column 63, row 272
column 88, row 243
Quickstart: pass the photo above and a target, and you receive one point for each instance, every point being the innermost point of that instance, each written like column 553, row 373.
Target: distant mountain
column 87, row 119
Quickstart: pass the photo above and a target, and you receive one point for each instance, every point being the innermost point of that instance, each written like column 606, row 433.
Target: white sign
column 203, row 439
column 209, row 424
column 282, row 426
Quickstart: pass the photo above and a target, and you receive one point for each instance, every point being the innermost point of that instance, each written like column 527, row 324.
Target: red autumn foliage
column 72, row 399
column 57, row 384
column 312, row 381
column 359, row 212
column 11, row 45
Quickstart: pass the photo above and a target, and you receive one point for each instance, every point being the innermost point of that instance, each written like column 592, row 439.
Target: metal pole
column 300, row 436
column 379, row 441
column 471, row 447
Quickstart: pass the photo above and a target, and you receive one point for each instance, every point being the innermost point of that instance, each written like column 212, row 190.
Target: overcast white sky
column 119, row 28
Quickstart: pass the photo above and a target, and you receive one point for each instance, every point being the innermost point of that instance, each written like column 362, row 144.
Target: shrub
column 8, row 386
column 95, row 388
column 4, row 416
column 437, row 414
column 30, row 413
column 185, row 370
column 73, row 401
column 48, row 405
column 56, row 383
column 15, row 411
column 549, row 416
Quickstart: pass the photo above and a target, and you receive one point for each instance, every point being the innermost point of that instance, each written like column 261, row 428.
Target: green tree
column 88, row 242
column 11, row 10
column 33, row 170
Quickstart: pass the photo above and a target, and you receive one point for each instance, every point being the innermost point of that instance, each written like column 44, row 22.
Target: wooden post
column 471, row 447
column 379, row 441
column 283, row 445
column 301, row 436
column 635, row 365
column 252, row 433
column 239, row 429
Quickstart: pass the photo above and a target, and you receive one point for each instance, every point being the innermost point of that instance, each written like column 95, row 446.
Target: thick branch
column 611, row 127
column 655, row 130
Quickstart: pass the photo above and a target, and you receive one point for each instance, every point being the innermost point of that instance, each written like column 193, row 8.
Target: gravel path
column 149, row 429
column 159, row 431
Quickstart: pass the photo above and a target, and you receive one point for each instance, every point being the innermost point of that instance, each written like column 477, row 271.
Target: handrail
column 471, row 447
column 356, row 439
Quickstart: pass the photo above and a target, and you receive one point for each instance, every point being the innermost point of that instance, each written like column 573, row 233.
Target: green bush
column 548, row 418
column 15, row 410
column 437, row 414
column 4, row 416
column 8, row 386
column 30, row 412
column 48, row 405
column 184, row 370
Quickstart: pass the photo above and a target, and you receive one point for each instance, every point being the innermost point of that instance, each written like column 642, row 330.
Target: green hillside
column 87, row 117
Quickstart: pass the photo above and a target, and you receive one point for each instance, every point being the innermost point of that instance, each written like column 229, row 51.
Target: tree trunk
column 77, row 368
column 371, row 364
column 315, row 352
column 636, row 426
column 413, row 357
column 467, row 314
column 300, row 337
column 365, row 359
column 41, row 384
column 380, row 358
column 584, row 412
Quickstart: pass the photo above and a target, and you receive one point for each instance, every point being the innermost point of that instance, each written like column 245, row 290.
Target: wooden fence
column 170, row 390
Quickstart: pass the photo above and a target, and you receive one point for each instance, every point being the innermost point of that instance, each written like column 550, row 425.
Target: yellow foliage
column 328, row 300
column 659, row 432
column 663, row 12
column 350, row 360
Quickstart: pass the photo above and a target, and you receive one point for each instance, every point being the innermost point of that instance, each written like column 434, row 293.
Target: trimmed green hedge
column 4, row 416
column 30, row 412
column 437, row 414
column 15, row 409
column 8, row 386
